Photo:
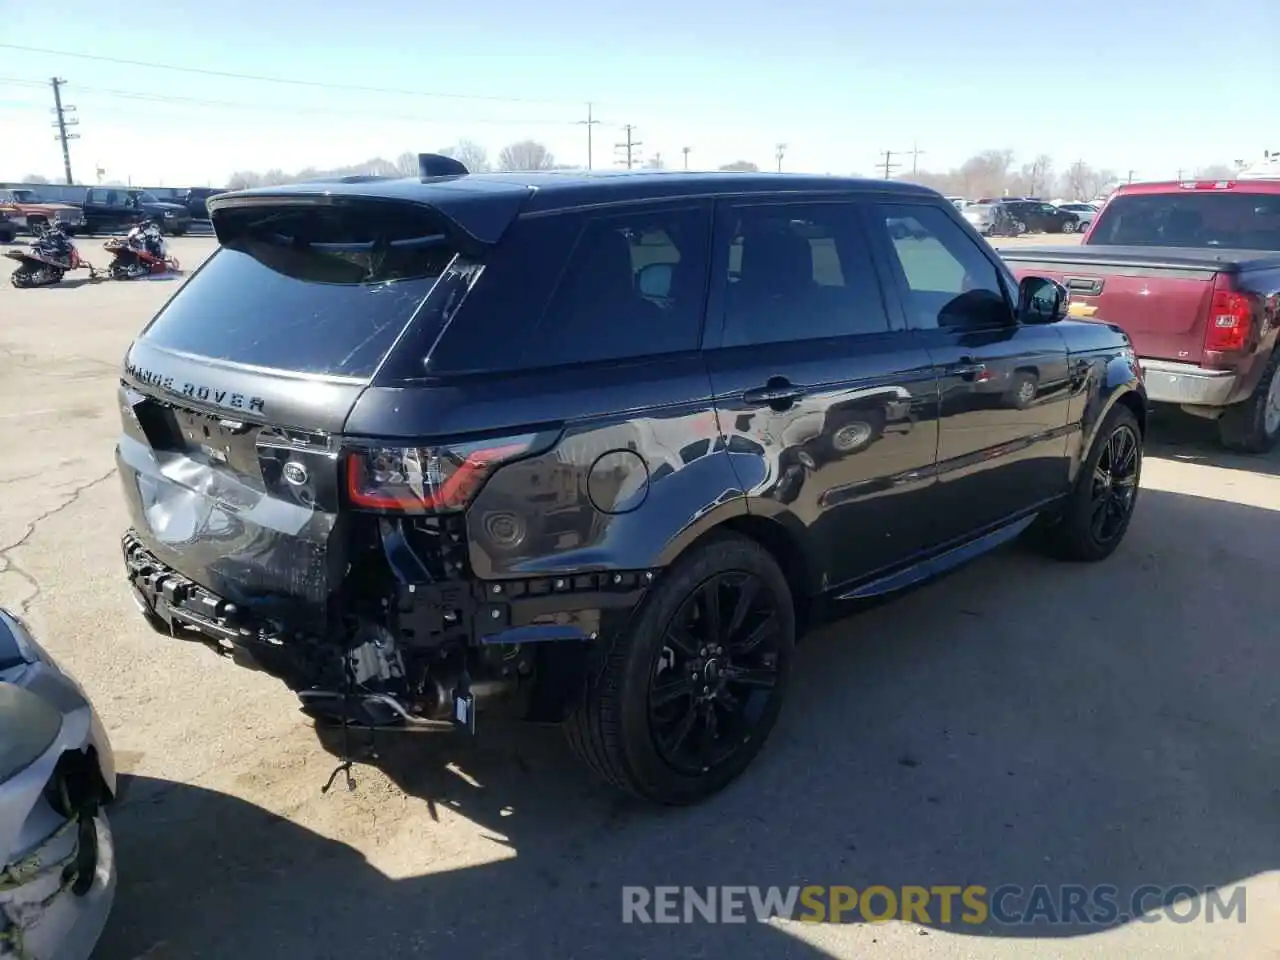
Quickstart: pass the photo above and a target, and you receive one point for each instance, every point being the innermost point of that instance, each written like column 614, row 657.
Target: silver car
column 1085, row 211
column 57, row 776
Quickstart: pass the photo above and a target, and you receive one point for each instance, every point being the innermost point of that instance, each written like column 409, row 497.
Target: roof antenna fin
column 438, row 165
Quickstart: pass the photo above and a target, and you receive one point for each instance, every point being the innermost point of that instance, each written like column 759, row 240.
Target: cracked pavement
column 1019, row 722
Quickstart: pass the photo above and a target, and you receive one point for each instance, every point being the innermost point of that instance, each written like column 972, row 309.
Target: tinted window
column 947, row 280
column 321, row 290
column 1202, row 218
column 800, row 272
column 634, row 286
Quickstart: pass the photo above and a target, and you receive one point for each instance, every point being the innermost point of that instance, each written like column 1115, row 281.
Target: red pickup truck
column 1191, row 271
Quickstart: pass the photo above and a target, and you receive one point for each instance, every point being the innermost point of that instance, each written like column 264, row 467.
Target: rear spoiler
column 475, row 215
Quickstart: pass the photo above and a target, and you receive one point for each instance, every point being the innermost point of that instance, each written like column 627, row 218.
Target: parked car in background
column 8, row 229
column 57, row 782
column 1191, row 271
column 1086, row 212
column 25, row 208
column 1041, row 217
column 196, row 200
column 115, row 208
column 397, row 550
column 958, row 202
column 994, row 219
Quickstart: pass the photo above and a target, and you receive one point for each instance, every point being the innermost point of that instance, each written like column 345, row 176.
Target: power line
column 160, row 98
column 259, row 78
column 629, row 145
column 62, row 123
column 887, row 164
column 915, row 152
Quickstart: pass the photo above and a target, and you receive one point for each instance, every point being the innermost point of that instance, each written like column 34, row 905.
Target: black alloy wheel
column 716, row 672
column 1115, row 484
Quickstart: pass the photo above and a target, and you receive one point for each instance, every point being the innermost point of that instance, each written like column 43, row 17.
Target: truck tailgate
column 1160, row 298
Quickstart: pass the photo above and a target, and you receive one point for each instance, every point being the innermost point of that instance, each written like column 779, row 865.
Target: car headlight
column 170, row 213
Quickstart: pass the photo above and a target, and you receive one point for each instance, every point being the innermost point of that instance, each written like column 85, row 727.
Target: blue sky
column 1125, row 84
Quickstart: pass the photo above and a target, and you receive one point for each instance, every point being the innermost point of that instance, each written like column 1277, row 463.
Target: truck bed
column 1159, row 295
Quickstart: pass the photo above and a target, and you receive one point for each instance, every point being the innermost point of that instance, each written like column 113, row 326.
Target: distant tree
column 34, row 178
column 407, row 164
column 1036, row 178
column 655, row 163
column 526, row 155
column 1215, row 171
column 744, row 165
column 243, row 180
column 475, row 157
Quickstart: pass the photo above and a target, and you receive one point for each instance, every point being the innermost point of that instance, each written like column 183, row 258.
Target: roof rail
column 438, row 165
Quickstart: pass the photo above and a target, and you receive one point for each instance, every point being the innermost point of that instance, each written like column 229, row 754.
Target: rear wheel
column 1068, row 226
column 689, row 692
column 1098, row 511
column 1254, row 425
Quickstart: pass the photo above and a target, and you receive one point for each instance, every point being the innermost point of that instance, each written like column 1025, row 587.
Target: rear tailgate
column 1159, row 296
column 234, row 398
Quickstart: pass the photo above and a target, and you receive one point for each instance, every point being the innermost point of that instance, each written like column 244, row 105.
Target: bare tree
column 476, row 158
column 1036, row 178
column 34, row 178
column 1215, row 171
column 407, row 164
column 743, row 165
column 526, row 155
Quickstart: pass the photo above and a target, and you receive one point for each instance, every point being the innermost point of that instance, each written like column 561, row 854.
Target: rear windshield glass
column 320, row 290
column 1234, row 221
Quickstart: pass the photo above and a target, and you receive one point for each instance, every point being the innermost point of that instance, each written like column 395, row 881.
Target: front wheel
column 688, row 693
column 1097, row 513
column 1254, row 425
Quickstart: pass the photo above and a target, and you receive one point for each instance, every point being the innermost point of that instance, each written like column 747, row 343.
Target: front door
column 1004, row 386
column 827, row 408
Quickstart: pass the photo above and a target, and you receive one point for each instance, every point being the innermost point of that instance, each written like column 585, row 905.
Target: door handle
column 968, row 368
column 778, row 392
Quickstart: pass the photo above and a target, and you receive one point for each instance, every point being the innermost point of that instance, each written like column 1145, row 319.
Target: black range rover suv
column 598, row 445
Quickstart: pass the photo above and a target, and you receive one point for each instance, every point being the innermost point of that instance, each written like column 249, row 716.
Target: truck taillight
column 428, row 479
column 1229, row 316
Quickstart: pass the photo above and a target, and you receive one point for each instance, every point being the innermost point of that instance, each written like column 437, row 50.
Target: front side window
column 634, row 286
column 800, row 271
column 947, row 280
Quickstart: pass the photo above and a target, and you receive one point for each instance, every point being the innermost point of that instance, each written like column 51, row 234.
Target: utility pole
column 888, row 163
column 589, row 123
column 629, row 145
column 1180, row 172
column 915, row 158
column 781, row 149
column 1131, row 173
column 685, row 151
column 62, row 125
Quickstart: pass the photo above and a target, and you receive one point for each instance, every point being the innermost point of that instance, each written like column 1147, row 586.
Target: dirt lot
column 1020, row 722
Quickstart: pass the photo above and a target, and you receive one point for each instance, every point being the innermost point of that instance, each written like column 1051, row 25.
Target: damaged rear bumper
column 436, row 648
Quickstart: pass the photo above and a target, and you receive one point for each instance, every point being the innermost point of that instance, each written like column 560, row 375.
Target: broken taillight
column 429, row 479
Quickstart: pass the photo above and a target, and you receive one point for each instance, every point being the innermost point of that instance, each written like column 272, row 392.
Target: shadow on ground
column 1022, row 722
column 1176, row 436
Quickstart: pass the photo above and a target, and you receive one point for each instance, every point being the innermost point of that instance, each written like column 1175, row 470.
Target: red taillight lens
column 433, row 479
column 1229, row 318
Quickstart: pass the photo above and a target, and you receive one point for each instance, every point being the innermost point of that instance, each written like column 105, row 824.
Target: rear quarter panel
column 1104, row 370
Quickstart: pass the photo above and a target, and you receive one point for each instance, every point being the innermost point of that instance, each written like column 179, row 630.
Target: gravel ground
column 1018, row 722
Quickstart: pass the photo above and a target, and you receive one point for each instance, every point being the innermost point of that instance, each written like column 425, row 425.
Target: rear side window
column 1201, row 218
column 318, row 290
column 634, row 286
column 800, row 271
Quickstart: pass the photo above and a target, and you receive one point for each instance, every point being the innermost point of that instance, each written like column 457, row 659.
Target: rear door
column 1004, row 387
column 831, row 405
column 233, row 397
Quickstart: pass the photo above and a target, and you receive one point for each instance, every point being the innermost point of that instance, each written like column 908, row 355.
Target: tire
column 1068, row 226
column 1073, row 536
column 1022, row 392
column 1253, row 426
column 612, row 731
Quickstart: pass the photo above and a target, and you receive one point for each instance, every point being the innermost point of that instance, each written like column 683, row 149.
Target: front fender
column 1118, row 379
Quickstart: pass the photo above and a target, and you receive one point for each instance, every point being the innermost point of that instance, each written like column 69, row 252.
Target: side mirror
column 654, row 280
column 1041, row 300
